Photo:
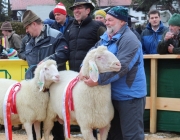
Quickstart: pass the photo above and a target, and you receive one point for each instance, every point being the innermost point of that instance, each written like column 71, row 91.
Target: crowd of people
column 64, row 38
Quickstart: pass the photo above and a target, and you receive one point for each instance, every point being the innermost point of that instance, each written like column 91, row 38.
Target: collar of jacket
column 44, row 38
column 117, row 35
column 161, row 26
column 13, row 32
column 44, row 31
column 83, row 22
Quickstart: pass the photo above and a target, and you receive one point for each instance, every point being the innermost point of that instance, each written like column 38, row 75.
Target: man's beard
column 110, row 30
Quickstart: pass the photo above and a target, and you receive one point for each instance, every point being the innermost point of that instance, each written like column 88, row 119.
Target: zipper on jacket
column 76, row 45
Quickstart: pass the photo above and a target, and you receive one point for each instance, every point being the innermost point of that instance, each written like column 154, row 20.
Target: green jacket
column 163, row 45
column 14, row 41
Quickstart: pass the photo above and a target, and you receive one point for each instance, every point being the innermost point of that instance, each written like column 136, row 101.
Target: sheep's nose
column 57, row 77
column 116, row 66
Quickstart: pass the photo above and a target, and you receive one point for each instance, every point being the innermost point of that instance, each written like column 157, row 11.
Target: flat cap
column 29, row 17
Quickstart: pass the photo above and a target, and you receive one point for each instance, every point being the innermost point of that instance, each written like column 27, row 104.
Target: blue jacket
column 130, row 81
column 65, row 28
column 150, row 38
column 49, row 21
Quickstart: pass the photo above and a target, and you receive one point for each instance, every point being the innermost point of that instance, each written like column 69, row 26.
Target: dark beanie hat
column 6, row 26
column 119, row 12
column 51, row 15
column 29, row 17
column 174, row 20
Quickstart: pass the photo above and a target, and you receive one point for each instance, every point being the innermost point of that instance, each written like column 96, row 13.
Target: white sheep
column 93, row 106
column 32, row 99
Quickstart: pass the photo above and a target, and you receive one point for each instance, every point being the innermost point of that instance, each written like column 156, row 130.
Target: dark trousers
column 95, row 133
column 127, row 123
column 57, row 131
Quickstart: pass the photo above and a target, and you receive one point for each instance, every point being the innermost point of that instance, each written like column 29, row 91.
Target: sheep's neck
column 47, row 85
column 85, row 71
column 45, row 89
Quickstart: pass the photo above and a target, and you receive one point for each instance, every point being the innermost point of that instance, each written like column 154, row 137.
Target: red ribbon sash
column 9, row 106
column 69, row 104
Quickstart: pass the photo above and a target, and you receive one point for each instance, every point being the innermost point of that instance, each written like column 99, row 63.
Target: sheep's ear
column 41, row 80
column 93, row 71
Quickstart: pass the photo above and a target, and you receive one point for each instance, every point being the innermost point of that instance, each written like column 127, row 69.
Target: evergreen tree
column 144, row 5
column 3, row 11
column 9, row 9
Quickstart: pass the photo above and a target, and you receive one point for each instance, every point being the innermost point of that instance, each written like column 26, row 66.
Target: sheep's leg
column 37, row 130
column 104, row 132
column 48, row 125
column 28, row 128
column 87, row 133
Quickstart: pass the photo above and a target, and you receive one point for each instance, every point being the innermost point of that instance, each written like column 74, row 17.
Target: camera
column 177, row 36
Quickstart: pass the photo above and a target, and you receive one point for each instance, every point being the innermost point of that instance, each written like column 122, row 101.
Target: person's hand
column 168, row 35
column 87, row 80
column 90, row 82
column 170, row 48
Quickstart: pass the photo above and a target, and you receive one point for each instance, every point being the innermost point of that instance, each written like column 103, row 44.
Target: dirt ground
column 21, row 135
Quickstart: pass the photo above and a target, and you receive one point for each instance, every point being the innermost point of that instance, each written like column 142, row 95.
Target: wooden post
column 153, row 96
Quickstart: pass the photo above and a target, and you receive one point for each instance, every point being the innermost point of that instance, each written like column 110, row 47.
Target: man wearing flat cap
column 128, row 86
column 45, row 43
column 170, row 43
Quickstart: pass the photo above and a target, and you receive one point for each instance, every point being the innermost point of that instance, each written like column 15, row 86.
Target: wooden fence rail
column 153, row 102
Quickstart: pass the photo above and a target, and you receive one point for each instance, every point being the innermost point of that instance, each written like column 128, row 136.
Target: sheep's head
column 47, row 73
column 100, row 60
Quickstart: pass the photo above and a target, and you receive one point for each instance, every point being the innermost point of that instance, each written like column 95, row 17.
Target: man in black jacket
column 84, row 32
column 44, row 43
column 170, row 43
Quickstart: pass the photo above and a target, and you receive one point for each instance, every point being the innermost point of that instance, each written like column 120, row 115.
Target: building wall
column 41, row 10
column 102, row 3
column 140, row 16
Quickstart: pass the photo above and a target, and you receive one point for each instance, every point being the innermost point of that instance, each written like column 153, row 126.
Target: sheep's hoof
column 1, row 127
column 17, row 127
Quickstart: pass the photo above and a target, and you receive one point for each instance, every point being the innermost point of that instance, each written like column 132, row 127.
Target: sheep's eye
column 46, row 69
column 99, row 57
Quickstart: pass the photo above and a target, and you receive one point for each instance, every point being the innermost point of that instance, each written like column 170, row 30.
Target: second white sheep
column 93, row 106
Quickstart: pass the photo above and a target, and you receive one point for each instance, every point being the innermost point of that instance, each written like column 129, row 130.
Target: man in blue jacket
column 151, row 36
column 128, row 86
